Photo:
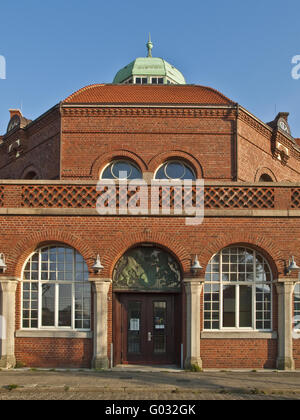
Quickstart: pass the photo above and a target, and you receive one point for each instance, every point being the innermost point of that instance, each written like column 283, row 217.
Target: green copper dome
column 149, row 70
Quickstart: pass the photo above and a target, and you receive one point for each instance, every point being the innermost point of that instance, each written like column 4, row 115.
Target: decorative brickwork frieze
column 147, row 111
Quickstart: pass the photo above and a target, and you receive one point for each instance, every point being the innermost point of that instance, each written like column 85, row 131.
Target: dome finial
column 149, row 46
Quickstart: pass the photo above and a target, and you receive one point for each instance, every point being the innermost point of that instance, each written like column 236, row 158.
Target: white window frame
column 56, row 283
column 174, row 161
column 141, row 77
column 296, row 313
column 157, row 77
column 113, row 162
column 237, row 285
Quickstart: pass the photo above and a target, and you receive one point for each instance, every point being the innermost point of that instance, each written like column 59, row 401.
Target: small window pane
column 296, row 320
column 245, row 306
column 134, row 327
column 65, row 305
column 175, row 170
column 229, row 306
column 122, row 170
column 48, row 305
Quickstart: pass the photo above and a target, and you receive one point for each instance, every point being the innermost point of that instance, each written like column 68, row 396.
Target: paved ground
column 148, row 384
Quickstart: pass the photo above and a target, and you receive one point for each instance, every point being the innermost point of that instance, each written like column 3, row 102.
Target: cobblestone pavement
column 111, row 396
column 155, row 384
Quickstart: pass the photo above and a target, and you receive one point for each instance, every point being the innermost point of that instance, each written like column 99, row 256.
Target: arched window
column 238, row 291
column 176, row 170
column 265, row 178
column 56, row 292
column 296, row 321
column 147, row 268
column 121, row 169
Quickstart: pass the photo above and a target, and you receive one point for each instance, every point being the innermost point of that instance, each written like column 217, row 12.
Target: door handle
column 149, row 336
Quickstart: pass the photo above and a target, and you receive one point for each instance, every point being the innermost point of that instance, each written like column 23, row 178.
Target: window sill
column 53, row 334
column 239, row 335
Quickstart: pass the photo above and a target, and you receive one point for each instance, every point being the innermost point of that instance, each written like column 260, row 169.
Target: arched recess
column 264, row 246
column 265, row 172
column 147, row 321
column 101, row 161
column 30, row 243
column 31, row 172
column 119, row 248
column 161, row 158
column 147, row 268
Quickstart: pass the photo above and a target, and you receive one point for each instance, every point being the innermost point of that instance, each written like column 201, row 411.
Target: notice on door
column 135, row 324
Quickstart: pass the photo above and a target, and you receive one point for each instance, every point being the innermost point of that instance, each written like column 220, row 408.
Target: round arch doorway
column 147, row 302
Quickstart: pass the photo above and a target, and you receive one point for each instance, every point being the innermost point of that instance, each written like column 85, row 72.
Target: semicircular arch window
column 121, row 169
column 175, row 169
column 147, row 269
column 56, row 292
column 238, row 290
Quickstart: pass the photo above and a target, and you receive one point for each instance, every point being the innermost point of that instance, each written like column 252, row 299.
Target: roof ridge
column 131, row 93
column 83, row 90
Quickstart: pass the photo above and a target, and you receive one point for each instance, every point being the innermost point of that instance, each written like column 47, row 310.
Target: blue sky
column 242, row 48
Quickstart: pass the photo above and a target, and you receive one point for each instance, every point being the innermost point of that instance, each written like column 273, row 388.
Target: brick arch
column 119, row 247
column 26, row 246
column 263, row 170
column 264, row 246
column 159, row 159
column 106, row 158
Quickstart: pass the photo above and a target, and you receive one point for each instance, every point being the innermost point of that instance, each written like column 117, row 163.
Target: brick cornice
column 148, row 111
column 260, row 127
column 267, row 132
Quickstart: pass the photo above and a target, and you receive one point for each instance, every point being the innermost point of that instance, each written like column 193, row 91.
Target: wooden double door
column 145, row 330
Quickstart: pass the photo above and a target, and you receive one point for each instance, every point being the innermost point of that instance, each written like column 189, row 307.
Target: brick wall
column 40, row 149
column 296, row 352
column 235, row 353
column 54, row 352
column 87, row 137
column 255, row 156
column 112, row 236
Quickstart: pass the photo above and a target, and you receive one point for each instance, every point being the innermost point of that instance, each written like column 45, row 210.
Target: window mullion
column 56, row 305
column 254, row 306
column 237, row 306
column 39, row 291
column 73, row 292
column 221, row 290
column 254, row 291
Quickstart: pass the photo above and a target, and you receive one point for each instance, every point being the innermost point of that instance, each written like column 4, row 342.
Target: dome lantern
column 149, row 70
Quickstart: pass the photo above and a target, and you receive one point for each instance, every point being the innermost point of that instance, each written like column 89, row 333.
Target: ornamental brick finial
column 149, row 46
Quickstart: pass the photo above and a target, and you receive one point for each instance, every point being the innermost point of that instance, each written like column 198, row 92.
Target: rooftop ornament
column 149, row 46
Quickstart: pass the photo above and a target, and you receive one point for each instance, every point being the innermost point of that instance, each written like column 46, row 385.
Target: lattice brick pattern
column 295, row 198
column 77, row 196
column 59, row 196
column 1, row 196
column 239, row 197
column 74, row 196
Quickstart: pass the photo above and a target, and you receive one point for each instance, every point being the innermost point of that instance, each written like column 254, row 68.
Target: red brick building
column 223, row 293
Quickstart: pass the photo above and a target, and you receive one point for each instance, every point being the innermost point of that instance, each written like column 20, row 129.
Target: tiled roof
column 148, row 94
